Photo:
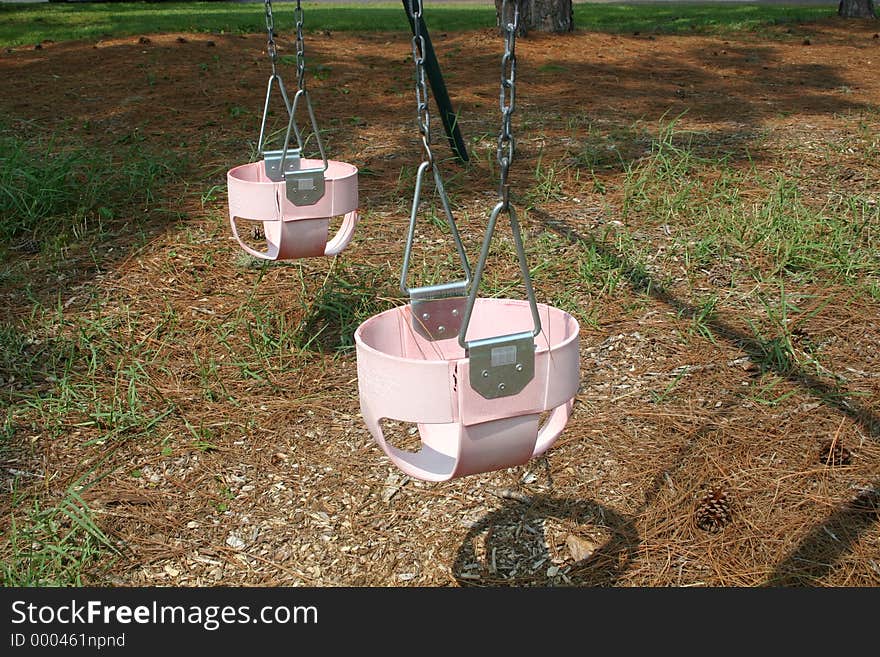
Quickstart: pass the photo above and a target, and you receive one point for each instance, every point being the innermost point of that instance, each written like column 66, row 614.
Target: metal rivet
column 519, row 367
column 455, row 312
column 501, row 387
column 426, row 316
column 441, row 329
column 485, row 373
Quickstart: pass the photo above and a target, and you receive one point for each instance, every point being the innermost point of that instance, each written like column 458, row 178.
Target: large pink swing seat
column 404, row 376
column 294, row 231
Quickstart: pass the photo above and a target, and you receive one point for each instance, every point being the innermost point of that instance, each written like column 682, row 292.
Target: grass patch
column 21, row 25
column 89, row 376
column 55, row 193
column 344, row 301
column 58, row 545
column 671, row 18
column 770, row 221
column 30, row 24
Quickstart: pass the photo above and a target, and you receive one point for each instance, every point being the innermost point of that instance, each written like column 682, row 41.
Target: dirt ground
column 292, row 490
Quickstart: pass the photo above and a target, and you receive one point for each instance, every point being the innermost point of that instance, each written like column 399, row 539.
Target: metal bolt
column 426, row 316
column 485, row 373
column 519, row 367
column 501, row 387
column 455, row 312
column 441, row 329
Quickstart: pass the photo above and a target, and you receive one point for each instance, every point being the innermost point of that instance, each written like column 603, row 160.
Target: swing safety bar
column 304, row 186
column 437, row 309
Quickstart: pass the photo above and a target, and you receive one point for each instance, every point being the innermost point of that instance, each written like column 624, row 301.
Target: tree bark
column 541, row 15
column 856, row 9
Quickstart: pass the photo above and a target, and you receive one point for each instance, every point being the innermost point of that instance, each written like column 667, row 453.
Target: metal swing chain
column 418, row 53
column 274, row 162
column 271, row 48
column 507, row 99
column 300, row 47
column 436, row 309
column 300, row 79
column 272, row 51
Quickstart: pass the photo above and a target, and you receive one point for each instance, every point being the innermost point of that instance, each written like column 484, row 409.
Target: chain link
column 507, row 97
column 300, row 47
column 418, row 53
column 271, row 48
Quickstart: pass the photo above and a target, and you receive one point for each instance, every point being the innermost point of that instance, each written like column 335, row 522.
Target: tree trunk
column 542, row 15
column 856, row 9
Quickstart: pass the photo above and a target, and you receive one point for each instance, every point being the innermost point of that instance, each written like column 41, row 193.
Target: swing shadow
column 817, row 553
column 828, row 542
column 757, row 349
column 516, row 537
column 634, row 104
column 333, row 312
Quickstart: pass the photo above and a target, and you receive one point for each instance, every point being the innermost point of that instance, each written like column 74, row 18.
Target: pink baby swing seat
column 404, row 376
column 294, row 231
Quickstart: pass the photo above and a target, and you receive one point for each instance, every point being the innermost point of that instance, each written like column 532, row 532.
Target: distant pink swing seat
column 405, row 376
column 294, row 231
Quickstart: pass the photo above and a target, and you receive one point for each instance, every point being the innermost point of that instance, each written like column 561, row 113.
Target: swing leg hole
column 253, row 233
column 401, row 435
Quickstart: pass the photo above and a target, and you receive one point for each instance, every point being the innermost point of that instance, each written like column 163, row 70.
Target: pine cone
column 834, row 453
column 713, row 511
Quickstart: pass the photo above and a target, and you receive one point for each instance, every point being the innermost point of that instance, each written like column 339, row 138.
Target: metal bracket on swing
column 503, row 365
column 304, row 186
column 437, row 310
column 272, row 161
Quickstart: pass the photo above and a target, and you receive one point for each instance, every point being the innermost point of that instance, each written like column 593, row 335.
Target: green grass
column 62, row 375
column 56, row 545
column 683, row 18
column 344, row 300
column 772, row 223
column 30, row 24
column 49, row 387
column 56, row 192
